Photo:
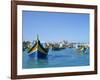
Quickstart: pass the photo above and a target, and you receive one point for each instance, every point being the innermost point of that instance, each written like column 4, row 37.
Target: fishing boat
column 58, row 48
column 38, row 51
column 82, row 49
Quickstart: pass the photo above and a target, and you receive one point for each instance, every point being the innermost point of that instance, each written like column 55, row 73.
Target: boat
column 82, row 49
column 38, row 51
column 58, row 48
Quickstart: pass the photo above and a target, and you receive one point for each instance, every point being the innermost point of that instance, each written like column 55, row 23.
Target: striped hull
column 38, row 51
column 38, row 54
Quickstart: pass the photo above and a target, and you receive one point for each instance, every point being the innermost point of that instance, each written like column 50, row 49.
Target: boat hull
column 41, row 55
column 38, row 55
column 38, row 51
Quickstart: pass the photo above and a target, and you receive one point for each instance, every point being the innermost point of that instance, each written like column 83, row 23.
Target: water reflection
column 33, row 62
column 66, row 57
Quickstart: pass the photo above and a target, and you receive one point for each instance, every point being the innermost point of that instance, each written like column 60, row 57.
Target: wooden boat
column 38, row 51
column 82, row 49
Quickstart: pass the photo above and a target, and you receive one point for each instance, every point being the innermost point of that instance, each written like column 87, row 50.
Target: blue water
column 63, row 58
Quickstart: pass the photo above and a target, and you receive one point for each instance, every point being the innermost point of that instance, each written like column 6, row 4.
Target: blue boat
column 38, row 51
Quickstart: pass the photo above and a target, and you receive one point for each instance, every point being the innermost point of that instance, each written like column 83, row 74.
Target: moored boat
column 38, row 51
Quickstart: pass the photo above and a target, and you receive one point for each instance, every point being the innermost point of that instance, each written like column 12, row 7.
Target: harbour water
column 63, row 58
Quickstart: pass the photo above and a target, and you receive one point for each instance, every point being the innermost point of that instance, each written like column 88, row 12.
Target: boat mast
column 37, row 37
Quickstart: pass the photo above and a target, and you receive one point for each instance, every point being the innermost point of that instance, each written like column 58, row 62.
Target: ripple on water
column 63, row 58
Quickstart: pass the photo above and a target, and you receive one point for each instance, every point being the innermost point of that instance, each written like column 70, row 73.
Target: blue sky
column 55, row 26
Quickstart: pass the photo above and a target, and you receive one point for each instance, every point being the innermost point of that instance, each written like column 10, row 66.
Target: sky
column 55, row 26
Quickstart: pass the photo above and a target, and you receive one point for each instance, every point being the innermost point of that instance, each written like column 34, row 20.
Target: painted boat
column 82, row 49
column 38, row 51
